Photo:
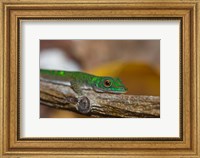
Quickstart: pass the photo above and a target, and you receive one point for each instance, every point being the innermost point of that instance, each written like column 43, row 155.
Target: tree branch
column 99, row 104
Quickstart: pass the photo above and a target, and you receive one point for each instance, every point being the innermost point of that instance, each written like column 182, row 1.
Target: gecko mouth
column 119, row 91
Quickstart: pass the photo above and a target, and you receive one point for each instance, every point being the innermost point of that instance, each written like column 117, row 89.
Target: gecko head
column 110, row 85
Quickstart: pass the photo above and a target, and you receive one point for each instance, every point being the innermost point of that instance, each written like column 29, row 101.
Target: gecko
column 80, row 81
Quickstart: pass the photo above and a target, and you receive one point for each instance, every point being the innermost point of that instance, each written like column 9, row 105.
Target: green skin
column 80, row 81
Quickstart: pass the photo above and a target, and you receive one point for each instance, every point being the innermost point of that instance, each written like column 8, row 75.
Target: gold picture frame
column 12, row 12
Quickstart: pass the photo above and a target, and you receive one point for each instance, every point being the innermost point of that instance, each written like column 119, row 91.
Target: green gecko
column 79, row 81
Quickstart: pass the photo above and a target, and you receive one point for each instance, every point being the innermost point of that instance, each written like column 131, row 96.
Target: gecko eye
column 107, row 83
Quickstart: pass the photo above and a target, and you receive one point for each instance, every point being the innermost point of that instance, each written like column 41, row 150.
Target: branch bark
column 99, row 104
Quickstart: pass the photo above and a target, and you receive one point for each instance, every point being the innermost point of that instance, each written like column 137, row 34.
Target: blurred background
column 135, row 62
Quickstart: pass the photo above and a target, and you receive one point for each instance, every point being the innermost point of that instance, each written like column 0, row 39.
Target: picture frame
column 187, row 12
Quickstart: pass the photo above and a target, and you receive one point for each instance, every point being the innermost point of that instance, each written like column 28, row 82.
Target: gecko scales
column 80, row 81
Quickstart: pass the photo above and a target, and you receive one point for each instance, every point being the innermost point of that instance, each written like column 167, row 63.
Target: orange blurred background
column 135, row 62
